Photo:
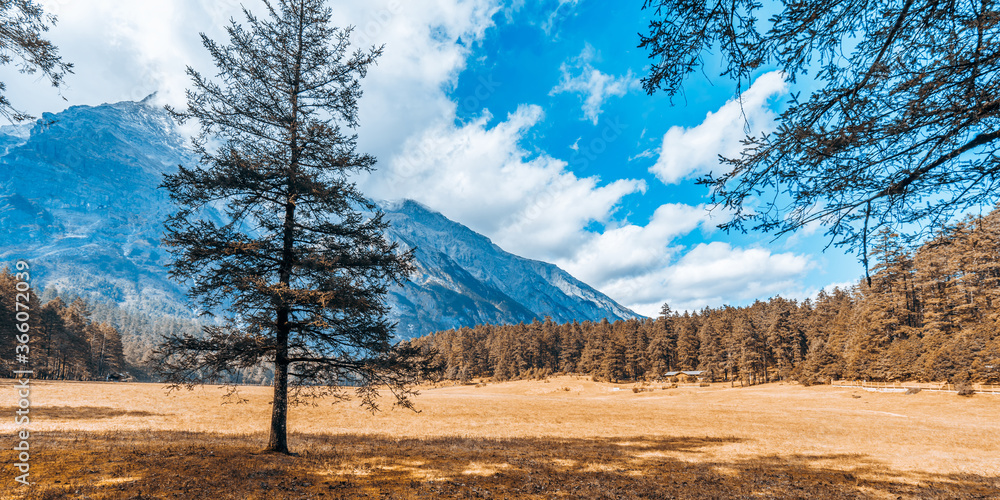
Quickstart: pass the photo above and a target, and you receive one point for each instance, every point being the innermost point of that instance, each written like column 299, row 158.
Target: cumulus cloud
column 581, row 77
column 427, row 43
column 712, row 274
column 532, row 205
column 643, row 266
column 482, row 177
column 689, row 152
column 125, row 51
column 717, row 269
column 630, row 251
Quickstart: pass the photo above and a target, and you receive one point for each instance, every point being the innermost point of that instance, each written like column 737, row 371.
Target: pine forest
column 932, row 314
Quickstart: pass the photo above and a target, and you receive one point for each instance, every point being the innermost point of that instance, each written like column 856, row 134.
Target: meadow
column 564, row 437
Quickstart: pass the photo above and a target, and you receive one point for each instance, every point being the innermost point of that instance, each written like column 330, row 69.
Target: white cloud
column 561, row 9
column 689, row 152
column 533, row 206
column 712, row 274
column 717, row 269
column 482, row 177
column 556, row 13
column 648, row 153
column 596, row 87
column 631, row 251
column 427, row 43
column 123, row 50
column 642, row 266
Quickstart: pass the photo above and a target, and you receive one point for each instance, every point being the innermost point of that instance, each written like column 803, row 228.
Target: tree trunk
column 100, row 365
column 278, row 440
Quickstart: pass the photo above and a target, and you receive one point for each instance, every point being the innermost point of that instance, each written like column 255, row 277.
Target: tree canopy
column 901, row 131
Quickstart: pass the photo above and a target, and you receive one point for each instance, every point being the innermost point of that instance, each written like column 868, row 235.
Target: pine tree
column 596, row 339
column 614, row 361
column 782, row 336
column 662, row 349
column 570, row 343
column 937, row 288
column 689, row 344
column 50, row 330
column 550, row 343
column 70, row 339
column 629, row 334
column 106, row 350
column 15, row 302
column 974, row 268
column 712, row 357
column 299, row 268
column 885, row 313
column 748, row 349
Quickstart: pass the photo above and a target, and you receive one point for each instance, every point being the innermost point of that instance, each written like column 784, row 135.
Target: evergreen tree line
column 143, row 332
column 65, row 342
column 929, row 314
column 78, row 338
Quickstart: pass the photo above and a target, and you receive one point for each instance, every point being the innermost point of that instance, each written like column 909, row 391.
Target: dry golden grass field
column 565, row 437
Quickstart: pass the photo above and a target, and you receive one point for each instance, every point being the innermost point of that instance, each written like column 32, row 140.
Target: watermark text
column 22, row 373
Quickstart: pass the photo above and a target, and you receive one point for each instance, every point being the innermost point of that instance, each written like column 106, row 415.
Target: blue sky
column 525, row 121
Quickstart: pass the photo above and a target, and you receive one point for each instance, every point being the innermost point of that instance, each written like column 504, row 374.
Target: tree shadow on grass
column 157, row 464
column 79, row 412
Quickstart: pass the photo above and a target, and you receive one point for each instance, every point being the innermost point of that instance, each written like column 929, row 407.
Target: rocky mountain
column 79, row 199
column 464, row 279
